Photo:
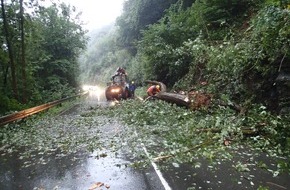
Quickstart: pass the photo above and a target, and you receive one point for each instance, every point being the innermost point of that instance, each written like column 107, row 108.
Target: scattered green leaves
column 182, row 135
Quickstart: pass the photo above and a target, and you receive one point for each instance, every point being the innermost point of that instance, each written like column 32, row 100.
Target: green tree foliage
column 116, row 47
column 238, row 47
column 246, row 69
column 271, row 31
column 164, row 46
column 228, row 43
column 60, row 41
column 44, row 44
column 138, row 14
column 102, row 57
column 159, row 47
column 228, row 46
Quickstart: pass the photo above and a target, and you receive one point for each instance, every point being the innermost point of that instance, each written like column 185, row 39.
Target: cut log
column 175, row 98
column 178, row 99
column 193, row 101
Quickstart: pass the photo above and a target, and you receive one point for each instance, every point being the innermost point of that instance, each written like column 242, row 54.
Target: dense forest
column 239, row 48
column 40, row 46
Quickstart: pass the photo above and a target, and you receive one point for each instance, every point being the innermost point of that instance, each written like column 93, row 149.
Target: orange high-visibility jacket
column 152, row 90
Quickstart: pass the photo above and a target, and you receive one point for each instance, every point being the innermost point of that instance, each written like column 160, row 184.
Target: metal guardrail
column 30, row 111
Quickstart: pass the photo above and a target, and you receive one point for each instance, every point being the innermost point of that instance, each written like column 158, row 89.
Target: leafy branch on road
column 170, row 133
column 37, row 139
column 181, row 135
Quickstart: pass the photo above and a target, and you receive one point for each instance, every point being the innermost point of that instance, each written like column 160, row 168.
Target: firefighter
column 153, row 90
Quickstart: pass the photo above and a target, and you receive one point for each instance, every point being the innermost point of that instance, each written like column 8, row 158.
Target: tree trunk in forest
column 12, row 63
column 5, row 77
column 23, row 62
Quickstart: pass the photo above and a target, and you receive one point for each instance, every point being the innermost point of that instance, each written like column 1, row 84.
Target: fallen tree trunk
column 178, row 99
column 192, row 101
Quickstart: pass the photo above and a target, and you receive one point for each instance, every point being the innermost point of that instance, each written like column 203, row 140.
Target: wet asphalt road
column 110, row 169
column 78, row 171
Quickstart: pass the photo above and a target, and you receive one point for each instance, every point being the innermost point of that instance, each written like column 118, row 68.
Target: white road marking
column 158, row 172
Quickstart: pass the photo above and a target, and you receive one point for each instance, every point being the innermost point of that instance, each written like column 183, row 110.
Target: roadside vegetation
column 238, row 51
column 238, row 48
column 38, row 55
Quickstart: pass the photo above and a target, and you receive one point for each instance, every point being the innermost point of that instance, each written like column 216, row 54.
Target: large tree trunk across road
column 193, row 101
column 178, row 99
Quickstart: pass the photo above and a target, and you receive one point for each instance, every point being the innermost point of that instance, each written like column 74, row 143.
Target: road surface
column 107, row 166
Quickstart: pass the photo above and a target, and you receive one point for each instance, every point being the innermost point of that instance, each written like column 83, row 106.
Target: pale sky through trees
column 97, row 13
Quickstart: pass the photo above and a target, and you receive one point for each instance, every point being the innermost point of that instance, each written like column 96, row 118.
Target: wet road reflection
column 78, row 170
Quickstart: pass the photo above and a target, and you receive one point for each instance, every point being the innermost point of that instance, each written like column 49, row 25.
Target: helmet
column 158, row 87
column 132, row 82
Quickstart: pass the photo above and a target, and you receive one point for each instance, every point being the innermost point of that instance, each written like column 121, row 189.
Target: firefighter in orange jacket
column 153, row 90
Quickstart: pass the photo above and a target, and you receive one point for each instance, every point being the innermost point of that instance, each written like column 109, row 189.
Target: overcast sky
column 97, row 13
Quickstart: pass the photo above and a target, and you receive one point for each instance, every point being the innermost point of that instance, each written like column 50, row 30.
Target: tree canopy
column 39, row 50
column 239, row 47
